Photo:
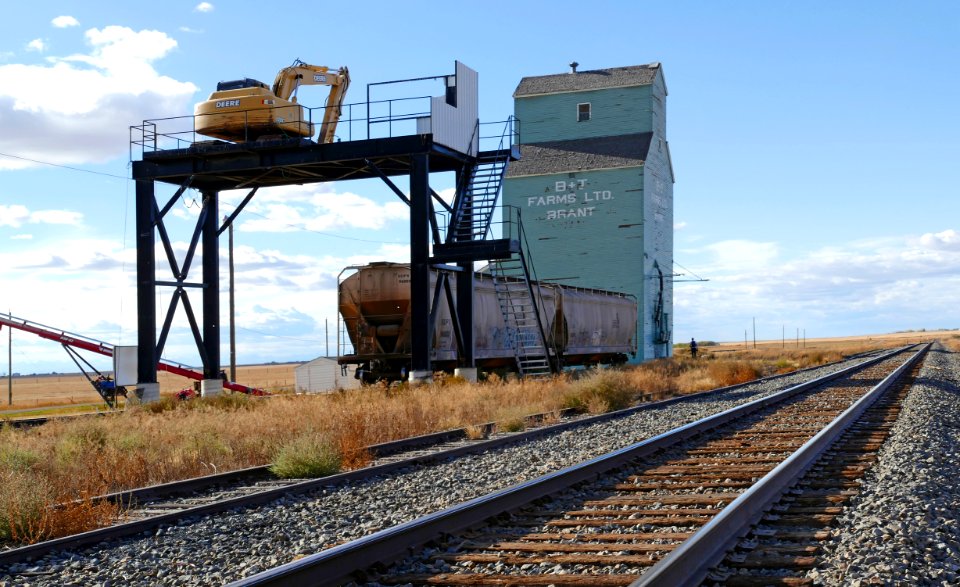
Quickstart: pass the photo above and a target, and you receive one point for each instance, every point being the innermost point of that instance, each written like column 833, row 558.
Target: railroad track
column 174, row 530
column 783, row 546
column 148, row 508
column 665, row 510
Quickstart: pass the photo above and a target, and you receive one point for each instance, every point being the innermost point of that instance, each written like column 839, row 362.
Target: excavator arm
column 247, row 110
column 289, row 79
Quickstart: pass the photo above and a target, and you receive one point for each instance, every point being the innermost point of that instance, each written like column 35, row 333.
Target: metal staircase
column 520, row 299
column 510, row 268
column 477, row 193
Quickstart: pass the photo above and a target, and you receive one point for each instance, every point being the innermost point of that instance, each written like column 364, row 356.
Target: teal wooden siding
column 614, row 111
column 571, row 221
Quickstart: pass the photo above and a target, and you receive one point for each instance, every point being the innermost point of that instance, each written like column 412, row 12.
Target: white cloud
column 78, row 109
column 317, row 208
column 679, row 225
column 204, row 7
column 947, row 240
column 36, row 45
column 17, row 215
column 14, row 215
column 186, row 29
column 56, row 217
column 21, row 237
column 741, row 255
column 906, row 282
column 62, row 22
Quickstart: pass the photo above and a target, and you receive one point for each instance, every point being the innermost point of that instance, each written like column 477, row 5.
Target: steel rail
column 332, row 566
column 690, row 562
column 187, row 486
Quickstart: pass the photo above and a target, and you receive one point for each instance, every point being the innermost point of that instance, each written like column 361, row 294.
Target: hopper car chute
column 582, row 326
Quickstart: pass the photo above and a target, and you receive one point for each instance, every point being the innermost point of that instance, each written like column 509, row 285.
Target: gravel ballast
column 222, row 548
column 904, row 527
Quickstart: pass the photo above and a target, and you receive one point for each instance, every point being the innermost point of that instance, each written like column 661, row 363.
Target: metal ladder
column 519, row 306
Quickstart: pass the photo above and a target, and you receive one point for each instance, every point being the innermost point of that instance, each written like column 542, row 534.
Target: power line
column 691, row 272
column 37, row 161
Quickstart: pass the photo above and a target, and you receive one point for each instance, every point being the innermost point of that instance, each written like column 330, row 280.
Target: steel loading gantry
column 441, row 135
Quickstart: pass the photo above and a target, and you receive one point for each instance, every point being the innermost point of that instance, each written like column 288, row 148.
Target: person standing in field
column 693, row 348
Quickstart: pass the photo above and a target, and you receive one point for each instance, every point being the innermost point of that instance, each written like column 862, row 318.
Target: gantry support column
column 148, row 389
column 468, row 367
column 212, row 384
column 420, row 268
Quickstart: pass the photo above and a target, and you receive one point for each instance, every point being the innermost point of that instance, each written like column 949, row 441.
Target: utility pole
column 233, row 326
column 326, row 336
column 10, row 361
column 744, row 338
column 798, row 337
column 754, row 332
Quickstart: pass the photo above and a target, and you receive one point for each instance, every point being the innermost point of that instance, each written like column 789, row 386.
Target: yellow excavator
column 247, row 109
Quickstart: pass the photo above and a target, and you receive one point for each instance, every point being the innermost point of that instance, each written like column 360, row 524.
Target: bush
column 605, row 390
column 22, row 508
column 306, row 456
column 733, row 372
column 17, row 459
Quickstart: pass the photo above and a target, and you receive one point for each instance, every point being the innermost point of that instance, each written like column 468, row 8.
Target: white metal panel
column 125, row 365
column 455, row 127
column 323, row 374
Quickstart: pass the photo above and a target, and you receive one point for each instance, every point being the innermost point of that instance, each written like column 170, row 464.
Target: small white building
column 324, row 375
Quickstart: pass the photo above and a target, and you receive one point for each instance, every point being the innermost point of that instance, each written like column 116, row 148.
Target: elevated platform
column 219, row 165
column 408, row 137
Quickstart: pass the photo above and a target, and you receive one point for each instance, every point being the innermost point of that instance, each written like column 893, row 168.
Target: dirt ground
column 65, row 389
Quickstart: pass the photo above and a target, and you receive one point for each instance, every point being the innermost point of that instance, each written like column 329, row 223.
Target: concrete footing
column 145, row 393
column 211, row 387
column 418, row 377
column 468, row 373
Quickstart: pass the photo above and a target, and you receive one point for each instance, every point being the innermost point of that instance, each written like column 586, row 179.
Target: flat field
column 32, row 391
column 843, row 343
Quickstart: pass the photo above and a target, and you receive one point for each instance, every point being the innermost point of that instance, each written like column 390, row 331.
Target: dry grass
column 64, row 462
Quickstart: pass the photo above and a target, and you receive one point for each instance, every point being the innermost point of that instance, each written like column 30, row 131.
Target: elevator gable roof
column 614, row 77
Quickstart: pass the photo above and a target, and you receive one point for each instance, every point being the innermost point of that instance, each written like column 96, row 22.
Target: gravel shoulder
column 904, row 527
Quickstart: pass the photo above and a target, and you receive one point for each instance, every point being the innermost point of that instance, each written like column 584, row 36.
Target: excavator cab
column 247, row 109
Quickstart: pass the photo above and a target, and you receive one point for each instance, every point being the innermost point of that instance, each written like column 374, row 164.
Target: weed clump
column 306, row 457
column 603, row 391
column 733, row 372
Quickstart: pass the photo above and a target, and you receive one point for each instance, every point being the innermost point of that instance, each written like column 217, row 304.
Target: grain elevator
column 594, row 187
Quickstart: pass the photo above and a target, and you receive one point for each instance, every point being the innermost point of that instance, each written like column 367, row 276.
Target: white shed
column 323, row 374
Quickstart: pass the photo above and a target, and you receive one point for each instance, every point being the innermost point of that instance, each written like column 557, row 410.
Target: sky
column 814, row 144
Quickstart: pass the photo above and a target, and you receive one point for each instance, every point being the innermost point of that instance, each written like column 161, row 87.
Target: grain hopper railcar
column 583, row 326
